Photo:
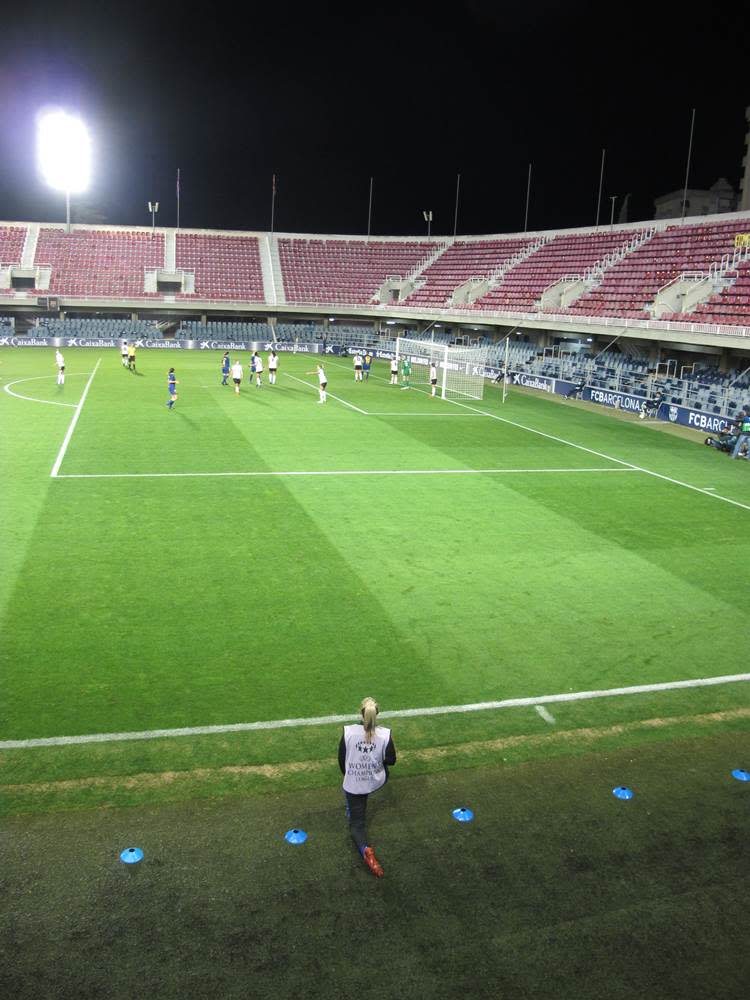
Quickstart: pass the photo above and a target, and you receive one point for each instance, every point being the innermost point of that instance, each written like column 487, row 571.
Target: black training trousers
column 357, row 805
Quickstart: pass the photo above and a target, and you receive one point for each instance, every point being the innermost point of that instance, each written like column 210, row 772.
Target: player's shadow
column 186, row 418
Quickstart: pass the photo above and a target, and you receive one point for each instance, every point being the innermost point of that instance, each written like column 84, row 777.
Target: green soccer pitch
column 261, row 557
column 225, row 581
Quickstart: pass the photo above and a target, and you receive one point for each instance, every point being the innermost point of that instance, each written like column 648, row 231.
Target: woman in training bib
column 366, row 751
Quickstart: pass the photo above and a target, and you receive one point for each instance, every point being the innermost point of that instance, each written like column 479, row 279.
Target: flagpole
column 601, row 180
column 369, row 212
column 687, row 168
column 273, row 199
column 178, row 197
column 455, row 214
column 528, row 192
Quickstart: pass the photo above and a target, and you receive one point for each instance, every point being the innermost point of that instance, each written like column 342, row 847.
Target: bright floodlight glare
column 64, row 150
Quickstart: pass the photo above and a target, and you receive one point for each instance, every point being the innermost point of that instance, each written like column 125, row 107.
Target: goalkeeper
column 406, row 373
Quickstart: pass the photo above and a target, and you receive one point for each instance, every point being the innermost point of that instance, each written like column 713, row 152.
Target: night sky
column 326, row 96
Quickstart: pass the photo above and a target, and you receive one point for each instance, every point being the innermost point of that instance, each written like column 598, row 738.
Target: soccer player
column 406, row 373
column 357, row 367
column 237, row 376
column 433, row 379
column 366, row 366
column 366, row 751
column 60, row 362
column 394, row 371
column 322, row 382
column 258, row 366
column 124, row 353
column 225, row 368
column 131, row 356
column 273, row 364
column 172, row 384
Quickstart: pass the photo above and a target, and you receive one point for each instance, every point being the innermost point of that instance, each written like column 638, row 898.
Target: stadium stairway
column 29, row 246
column 271, row 268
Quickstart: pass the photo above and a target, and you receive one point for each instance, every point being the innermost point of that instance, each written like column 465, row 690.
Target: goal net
column 459, row 370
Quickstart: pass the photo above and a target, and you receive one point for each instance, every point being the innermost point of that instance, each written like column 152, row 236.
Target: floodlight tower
column 427, row 216
column 153, row 207
column 64, row 153
column 613, row 199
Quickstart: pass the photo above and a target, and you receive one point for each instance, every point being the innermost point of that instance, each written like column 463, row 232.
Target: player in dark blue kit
column 225, row 368
column 172, row 384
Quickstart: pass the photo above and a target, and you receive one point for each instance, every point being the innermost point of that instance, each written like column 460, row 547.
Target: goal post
column 459, row 370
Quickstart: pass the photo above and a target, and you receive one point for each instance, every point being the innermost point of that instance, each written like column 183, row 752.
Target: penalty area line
column 328, row 393
column 404, row 713
column 73, row 422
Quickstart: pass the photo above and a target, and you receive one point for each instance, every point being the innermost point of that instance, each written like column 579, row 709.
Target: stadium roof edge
column 419, row 238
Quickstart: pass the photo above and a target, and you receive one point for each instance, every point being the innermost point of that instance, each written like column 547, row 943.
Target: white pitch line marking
column 547, row 716
column 73, row 422
column 452, row 416
column 580, row 447
column 601, row 454
column 338, row 398
column 36, row 378
column 328, row 472
column 403, row 713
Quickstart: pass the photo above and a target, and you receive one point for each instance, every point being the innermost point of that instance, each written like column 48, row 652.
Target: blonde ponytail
column 369, row 709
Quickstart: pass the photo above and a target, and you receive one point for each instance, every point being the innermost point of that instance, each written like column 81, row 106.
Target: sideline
column 403, row 713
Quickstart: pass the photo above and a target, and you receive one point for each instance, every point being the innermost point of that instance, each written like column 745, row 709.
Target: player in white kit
column 124, row 353
column 60, row 362
column 394, row 372
column 237, row 376
column 357, row 367
column 322, row 382
column 273, row 364
column 433, row 379
column 258, row 369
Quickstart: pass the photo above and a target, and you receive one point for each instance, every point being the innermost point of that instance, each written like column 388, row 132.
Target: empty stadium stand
column 633, row 284
column 458, row 264
column 522, row 286
column 225, row 267
column 12, row 239
column 343, row 272
column 89, row 263
column 517, row 276
column 95, row 329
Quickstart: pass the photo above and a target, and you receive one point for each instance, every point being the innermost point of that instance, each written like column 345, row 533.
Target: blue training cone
column 621, row 792
column 131, row 856
column 740, row 774
column 295, row 836
column 463, row 815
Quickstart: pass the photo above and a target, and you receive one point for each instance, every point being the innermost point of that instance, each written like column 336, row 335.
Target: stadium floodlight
column 427, row 216
column 64, row 154
column 153, row 207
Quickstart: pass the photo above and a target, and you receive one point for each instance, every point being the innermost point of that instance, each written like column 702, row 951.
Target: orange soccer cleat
column 372, row 863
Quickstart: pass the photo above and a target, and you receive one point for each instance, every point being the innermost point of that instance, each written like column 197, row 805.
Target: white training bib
column 364, row 771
